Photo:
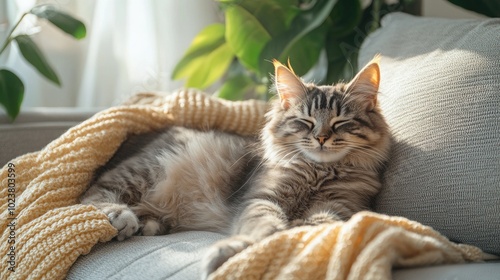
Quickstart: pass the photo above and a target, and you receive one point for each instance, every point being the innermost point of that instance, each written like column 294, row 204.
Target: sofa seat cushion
column 174, row 256
column 468, row 271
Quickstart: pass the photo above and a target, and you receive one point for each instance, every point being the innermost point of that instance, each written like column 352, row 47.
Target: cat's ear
column 365, row 85
column 290, row 88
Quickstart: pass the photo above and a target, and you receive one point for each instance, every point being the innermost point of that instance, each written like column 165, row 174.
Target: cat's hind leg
column 120, row 215
column 151, row 227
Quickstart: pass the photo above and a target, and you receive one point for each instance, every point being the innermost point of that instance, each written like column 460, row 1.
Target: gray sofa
column 441, row 94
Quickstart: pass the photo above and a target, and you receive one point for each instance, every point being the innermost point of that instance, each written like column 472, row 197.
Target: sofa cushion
column 36, row 127
column 440, row 93
column 489, row 270
column 174, row 256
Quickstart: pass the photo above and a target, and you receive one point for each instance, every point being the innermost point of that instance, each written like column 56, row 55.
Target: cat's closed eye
column 307, row 122
column 340, row 123
column 303, row 124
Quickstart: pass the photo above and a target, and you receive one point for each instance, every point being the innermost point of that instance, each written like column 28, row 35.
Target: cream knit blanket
column 44, row 230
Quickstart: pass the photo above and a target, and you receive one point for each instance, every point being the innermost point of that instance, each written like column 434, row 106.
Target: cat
column 317, row 160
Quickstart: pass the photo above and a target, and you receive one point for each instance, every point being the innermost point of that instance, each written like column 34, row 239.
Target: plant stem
column 9, row 38
column 376, row 15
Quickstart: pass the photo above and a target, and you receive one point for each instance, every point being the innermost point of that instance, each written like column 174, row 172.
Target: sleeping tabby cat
column 317, row 160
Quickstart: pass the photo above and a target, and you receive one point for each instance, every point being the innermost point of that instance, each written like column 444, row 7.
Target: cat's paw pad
column 123, row 219
column 221, row 251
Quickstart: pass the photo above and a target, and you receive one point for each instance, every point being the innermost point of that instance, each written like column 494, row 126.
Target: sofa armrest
column 34, row 128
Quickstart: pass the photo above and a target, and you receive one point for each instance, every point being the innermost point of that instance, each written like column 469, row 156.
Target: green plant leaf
column 206, row 60
column 274, row 15
column 305, row 22
column 268, row 11
column 63, row 21
column 235, row 88
column 304, row 54
column 210, row 38
column 345, row 16
column 210, row 67
column 11, row 92
column 245, row 35
column 342, row 54
column 489, row 8
column 341, row 70
column 35, row 57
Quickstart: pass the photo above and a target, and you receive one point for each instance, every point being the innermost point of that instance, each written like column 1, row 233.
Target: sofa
column 440, row 92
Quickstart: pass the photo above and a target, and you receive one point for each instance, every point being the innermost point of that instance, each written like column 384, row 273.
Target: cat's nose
column 321, row 139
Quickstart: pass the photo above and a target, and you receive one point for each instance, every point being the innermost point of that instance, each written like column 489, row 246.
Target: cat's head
column 327, row 124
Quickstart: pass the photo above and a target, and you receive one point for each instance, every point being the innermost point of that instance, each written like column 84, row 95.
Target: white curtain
column 131, row 46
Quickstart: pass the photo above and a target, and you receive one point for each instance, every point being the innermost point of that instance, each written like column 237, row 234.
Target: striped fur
column 317, row 160
column 175, row 180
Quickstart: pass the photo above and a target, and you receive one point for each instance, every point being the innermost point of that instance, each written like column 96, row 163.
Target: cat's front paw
column 123, row 219
column 314, row 220
column 221, row 251
column 322, row 218
column 297, row 223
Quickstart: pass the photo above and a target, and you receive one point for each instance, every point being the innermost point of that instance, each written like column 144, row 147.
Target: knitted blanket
column 367, row 247
column 44, row 229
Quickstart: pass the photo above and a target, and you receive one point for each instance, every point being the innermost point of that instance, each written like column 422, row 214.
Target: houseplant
column 321, row 37
column 11, row 86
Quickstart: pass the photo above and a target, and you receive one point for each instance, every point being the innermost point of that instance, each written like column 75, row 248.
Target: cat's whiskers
column 243, row 156
column 256, row 169
column 280, row 155
column 297, row 153
column 283, row 154
column 294, row 149
column 261, row 163
column 373, row 154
